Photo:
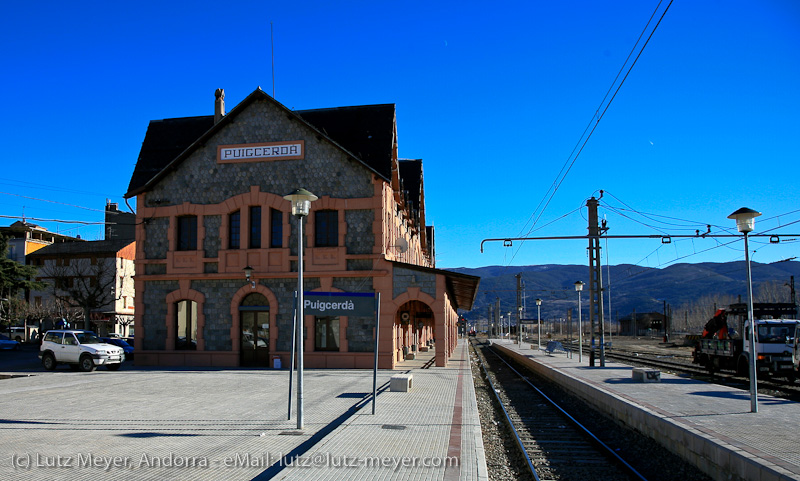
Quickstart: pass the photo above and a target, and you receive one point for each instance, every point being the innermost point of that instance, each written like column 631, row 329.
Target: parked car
column 8, row 343
column 127, row 348
column 18, row 333
column 80, row 349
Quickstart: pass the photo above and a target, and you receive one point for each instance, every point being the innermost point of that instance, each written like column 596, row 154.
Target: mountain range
column 631, row 287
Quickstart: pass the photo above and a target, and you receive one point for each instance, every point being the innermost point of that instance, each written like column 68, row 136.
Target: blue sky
column 493, row 99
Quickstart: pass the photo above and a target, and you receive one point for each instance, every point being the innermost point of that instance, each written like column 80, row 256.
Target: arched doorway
column 254, row 322
column 414, row 328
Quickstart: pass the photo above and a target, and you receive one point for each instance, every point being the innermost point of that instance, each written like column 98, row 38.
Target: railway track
column 775, row 386
column 554, row 444
column 680, row 363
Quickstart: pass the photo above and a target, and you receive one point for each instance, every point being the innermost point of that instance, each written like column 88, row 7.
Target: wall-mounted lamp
column 248, row 274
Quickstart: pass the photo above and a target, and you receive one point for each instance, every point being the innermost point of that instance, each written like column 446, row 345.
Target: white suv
column 80, row 349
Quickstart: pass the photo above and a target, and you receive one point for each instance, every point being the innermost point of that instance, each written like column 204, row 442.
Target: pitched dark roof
column 411, row 180
column 163, row 142
column 88, row 247
column 366, row 132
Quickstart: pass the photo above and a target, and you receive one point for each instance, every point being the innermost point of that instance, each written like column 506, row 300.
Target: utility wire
column 596, row 118
column 53, row 202
column 55, row 220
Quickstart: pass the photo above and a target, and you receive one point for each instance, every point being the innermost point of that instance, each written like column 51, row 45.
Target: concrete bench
column 553, row 347
column 401, row 382
column 410, row 356
column 644, row 374
column 423, row 348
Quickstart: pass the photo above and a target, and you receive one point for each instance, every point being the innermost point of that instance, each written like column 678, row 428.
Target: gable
column 205, row 174
column 364, row 132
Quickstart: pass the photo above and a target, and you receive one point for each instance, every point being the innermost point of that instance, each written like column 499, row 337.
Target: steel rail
column 510, row 423
column 631, row 470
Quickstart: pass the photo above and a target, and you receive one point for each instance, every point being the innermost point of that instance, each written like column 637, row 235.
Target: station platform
column 210, row 424
column 708, row 425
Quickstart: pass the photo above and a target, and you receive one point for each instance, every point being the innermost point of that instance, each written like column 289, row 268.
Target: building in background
column 119, row 224
column 93, row 277
column 25, row 238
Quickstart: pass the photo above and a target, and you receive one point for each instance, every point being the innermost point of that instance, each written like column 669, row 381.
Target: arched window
column 254, row 320
column 186, row 325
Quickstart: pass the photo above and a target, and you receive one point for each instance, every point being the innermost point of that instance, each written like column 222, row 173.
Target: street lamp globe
column 301, row 200
column 745, row 219
column 579, row 286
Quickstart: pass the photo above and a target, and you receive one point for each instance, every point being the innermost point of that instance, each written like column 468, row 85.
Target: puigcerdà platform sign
column 339, row 303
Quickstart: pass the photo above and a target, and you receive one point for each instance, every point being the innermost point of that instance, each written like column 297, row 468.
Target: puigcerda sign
column 338, row 304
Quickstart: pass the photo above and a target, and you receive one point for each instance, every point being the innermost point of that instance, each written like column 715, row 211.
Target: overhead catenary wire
column 592, row 125
column 689, row 225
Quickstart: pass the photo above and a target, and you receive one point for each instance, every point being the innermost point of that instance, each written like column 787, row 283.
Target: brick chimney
column 219, row 105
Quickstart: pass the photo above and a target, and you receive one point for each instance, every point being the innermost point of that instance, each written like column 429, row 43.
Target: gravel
column 505, row 463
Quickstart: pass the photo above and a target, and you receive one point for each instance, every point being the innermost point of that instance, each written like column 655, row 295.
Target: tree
column 773, row 291
column 87, row 284
column 15, row 278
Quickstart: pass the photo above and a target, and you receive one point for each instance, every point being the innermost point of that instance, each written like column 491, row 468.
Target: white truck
column 796, row 351
column 718, row 349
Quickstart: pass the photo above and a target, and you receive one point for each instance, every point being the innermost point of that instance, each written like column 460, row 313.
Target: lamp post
column 579, row 288
column 301, row 203
column 745, row 223
column 539, row 321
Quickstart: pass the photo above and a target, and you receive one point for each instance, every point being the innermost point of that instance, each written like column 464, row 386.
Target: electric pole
column 519, row 308
column 498, row 318
column 595, row 282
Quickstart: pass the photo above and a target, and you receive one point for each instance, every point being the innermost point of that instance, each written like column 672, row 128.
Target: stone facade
column 212, row 240
column 152, row 322
column 156, row 244
column 359, row 239
column 403, row 278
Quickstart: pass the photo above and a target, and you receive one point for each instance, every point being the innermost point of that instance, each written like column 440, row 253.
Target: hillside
column 631, row 287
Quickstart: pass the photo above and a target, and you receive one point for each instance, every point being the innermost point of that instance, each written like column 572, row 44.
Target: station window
column 186, row 325
column 234, row 232
column 187, row 233
column 276, row 228
column 326, row 228
column 326, row 336
column 255, row 227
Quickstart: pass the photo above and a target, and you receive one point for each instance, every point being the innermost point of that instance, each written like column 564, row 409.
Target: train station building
column 210, row 203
